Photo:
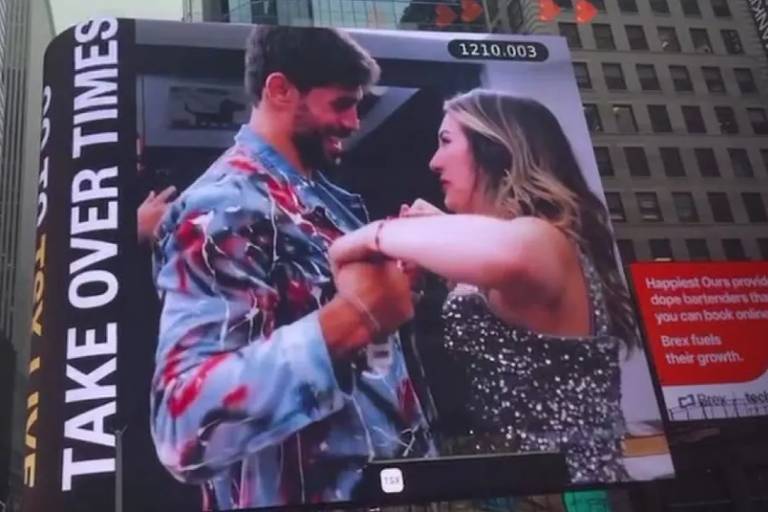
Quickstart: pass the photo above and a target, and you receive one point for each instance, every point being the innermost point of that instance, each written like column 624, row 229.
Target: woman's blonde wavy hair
column 529, row 169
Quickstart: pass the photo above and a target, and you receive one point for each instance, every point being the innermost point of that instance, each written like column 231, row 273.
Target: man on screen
column 276, row 381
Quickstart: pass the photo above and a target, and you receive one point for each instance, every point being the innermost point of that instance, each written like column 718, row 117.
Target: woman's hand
column 419, row 208
column 151, row 211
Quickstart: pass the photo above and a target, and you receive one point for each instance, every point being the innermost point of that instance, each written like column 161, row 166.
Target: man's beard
column 310, row 138
column 312, row 151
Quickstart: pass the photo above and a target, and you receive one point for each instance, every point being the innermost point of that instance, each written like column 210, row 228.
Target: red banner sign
column 707, row 327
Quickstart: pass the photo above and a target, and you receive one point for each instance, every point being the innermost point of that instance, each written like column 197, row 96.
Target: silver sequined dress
column 535, row 392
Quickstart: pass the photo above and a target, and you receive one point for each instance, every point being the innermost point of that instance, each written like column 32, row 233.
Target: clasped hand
column 377, row 279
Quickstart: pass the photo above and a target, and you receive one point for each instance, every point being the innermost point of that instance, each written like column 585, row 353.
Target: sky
column 70, row 12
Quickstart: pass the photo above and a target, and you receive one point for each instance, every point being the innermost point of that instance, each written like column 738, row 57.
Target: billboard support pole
column 119, row 469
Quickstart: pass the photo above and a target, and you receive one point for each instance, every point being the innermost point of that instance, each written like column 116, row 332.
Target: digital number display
column 498, row 50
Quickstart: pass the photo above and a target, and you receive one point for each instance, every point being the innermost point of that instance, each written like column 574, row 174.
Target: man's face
column 324, row 116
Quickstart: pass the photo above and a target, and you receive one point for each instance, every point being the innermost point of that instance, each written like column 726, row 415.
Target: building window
column 615, row 207
column 700, row 40
column 764, row 155
column 755, row 207
column 732, row 41
column 661, row 249
column 762, row 244
column 628, row 5
column 673, row 162
column 646, row 73
column 668, row 38
column 637, row 161
column 603, row 36
column 759, row 120
column 721, row 9
column 681, row 79
column 599, row 5
column 705, row 157
column 581, row 71
column 626, row 251
column 660, row 122
column 742, row 166
column 746, row 80
column 648, row 204
column 614, row 77
column 734, row 249
column 685, row 207
column 698, row 250
column 570, row 31
column 659, row 6
column 594, row 122
column 694, row 122
column 691, row 7
column 713, row 77
column 721, row 207
column 636, row 37
column 625, row 118
column 604, row 162
column 726, row 118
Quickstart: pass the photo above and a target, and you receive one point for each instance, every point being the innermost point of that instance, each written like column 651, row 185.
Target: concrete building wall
column 672, row 228
column 28, row 27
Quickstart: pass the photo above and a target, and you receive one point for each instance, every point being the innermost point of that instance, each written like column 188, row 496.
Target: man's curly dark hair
column 308, row 57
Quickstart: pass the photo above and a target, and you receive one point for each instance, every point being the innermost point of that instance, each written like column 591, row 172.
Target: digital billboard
column 706, row 326
column 299, row 266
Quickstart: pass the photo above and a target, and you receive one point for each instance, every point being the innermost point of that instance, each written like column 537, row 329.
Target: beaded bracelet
column 373, row 324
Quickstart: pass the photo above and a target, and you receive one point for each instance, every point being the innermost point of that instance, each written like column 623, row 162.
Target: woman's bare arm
column 524, row 257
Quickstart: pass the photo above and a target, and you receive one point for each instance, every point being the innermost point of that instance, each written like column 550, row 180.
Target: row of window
column 636, row 39
column 720, row 8
column 698, row 249
column 685, row 207
column 672, row 162
column 613, row 75
column 626, row 122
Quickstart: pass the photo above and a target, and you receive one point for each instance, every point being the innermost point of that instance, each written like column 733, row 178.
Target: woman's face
column 454, row 163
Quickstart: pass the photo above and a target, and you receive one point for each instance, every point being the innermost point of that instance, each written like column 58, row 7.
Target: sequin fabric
column 534, row 392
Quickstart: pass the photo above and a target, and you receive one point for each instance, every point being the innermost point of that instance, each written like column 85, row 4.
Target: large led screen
column 298, row 266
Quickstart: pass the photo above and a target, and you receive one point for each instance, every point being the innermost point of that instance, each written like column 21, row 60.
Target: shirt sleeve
column 226, row 383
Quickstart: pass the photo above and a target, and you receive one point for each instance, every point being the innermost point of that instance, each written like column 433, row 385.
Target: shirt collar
column 267, row 154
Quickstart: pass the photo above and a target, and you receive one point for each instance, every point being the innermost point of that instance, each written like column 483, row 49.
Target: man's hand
column 380, row 290
column 382, row 287
column 419, row 208
column 151, row 211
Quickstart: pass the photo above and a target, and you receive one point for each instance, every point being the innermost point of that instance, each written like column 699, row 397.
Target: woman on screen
column 540, row 311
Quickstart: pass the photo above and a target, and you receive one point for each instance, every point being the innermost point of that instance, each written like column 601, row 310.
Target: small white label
column 392, row 480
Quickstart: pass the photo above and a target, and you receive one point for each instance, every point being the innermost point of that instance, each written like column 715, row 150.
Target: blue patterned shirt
column 246, row 399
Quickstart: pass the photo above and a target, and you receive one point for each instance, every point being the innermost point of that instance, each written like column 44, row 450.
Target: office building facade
column 26, row 27
column 488, row 16
column 675, row 97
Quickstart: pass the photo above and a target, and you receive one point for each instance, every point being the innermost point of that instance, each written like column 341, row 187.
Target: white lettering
column 86, row 185
column 92, row 347
column 87, row 31
column 71, row 468
column 93, row 278
column 94, row 58
column 91, row 389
